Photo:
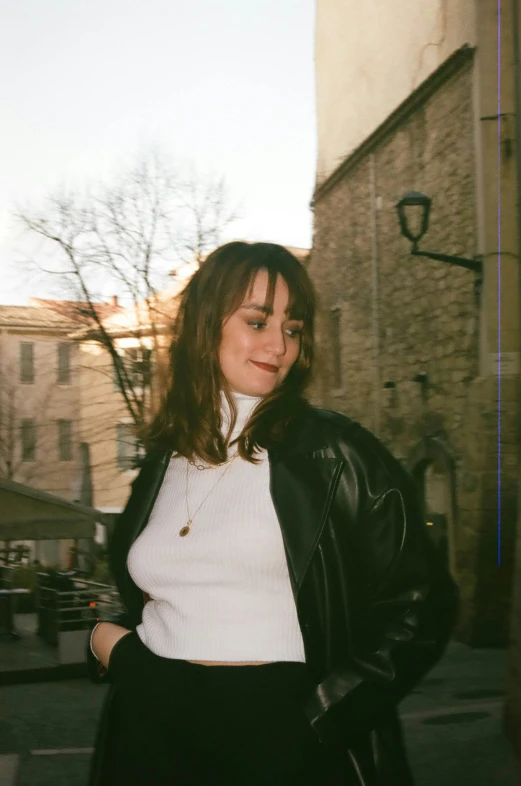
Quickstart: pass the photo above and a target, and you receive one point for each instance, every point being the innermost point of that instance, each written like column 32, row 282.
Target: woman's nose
column 275, row 341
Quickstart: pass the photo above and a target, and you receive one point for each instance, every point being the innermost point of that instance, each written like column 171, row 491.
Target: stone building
column 407, row 101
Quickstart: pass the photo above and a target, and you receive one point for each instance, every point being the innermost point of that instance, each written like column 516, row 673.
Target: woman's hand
column 104, row 638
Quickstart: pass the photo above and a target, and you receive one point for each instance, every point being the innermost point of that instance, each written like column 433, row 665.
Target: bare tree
column 124, row 238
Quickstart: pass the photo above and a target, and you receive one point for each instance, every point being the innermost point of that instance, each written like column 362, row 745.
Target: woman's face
column 258, row 348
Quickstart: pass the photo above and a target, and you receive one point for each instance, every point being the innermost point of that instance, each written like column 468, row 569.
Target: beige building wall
column 90, row 401
column 370, row 56
column 102, row 409
column 45, row 401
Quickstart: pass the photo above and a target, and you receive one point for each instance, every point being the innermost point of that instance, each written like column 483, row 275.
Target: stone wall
column 404, row 315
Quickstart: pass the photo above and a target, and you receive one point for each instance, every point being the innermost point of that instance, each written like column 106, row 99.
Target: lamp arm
column 471, row 264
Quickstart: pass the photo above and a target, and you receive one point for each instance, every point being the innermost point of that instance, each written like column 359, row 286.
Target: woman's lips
column 266, row 367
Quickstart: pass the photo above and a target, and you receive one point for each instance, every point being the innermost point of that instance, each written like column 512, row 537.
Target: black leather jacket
column 375, row 604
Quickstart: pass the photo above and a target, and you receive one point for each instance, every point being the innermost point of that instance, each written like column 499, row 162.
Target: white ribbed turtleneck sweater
column 222, row 593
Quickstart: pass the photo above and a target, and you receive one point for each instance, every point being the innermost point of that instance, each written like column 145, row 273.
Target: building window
column 141, row 364
column 136, row 367
column 336, row 346
column 117, row 385
column 26, row 362
column 64, row 364
column 65, row 440
column 28, row 434
column 128, row 449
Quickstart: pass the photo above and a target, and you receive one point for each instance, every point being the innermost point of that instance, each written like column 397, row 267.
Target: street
column 452, row 724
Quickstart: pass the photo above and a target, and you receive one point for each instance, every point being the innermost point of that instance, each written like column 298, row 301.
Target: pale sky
column 227, row 85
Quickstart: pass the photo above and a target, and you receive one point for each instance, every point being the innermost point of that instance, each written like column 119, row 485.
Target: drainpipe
column 511, row 716
column 374, row 299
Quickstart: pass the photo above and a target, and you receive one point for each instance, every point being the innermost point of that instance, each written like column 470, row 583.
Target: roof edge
column 454, row 63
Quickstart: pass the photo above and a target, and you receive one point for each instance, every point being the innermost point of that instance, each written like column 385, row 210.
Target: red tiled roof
column 32, row 316
column 77, row 310
column 59, row 314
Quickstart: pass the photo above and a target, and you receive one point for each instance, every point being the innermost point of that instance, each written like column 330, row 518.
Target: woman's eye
column 291, row 332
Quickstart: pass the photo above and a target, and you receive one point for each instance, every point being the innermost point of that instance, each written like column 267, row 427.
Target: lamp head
column 413, row 210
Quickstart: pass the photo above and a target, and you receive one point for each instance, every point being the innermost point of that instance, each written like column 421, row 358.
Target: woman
column 281, row 594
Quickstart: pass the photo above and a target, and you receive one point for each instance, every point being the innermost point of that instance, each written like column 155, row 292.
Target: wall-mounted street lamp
column 413, row 210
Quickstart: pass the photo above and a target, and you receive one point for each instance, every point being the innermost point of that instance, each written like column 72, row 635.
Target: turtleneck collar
column 245, row 404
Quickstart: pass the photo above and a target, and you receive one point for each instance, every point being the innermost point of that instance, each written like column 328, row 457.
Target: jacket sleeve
column 404, row 621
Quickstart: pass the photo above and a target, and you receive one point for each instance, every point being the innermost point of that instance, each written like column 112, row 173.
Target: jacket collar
column 305, row 437
column 304, row 475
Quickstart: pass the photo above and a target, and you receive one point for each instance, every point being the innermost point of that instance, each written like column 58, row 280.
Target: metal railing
column 15, row 555
column 66, row 603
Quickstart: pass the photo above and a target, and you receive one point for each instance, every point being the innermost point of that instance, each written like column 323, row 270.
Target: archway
column 432, row 466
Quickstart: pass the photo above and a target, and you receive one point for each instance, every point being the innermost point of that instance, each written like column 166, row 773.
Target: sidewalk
column 453, row 722
column 28, row 658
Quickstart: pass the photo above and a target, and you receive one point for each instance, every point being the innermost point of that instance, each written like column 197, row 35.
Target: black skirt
column 183, row 724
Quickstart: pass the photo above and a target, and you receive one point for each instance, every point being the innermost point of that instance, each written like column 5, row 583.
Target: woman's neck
column 244, row 404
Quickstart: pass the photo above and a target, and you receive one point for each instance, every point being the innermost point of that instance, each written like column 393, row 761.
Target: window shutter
column 26, row 362
column 64, row 364
column 126, row 445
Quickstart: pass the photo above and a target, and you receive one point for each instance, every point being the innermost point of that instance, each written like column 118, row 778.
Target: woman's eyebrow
column 266, row 310
column 257, row 307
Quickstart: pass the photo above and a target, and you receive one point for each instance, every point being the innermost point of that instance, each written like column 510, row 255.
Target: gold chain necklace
column 211, row 466
column 183, row 532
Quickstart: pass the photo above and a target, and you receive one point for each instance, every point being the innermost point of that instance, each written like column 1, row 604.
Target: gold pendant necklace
column 184, row 531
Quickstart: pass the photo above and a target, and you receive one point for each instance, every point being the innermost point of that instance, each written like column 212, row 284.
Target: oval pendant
column 184, row 531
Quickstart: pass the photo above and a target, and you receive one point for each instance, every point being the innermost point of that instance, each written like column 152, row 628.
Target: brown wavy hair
column 188, row 419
